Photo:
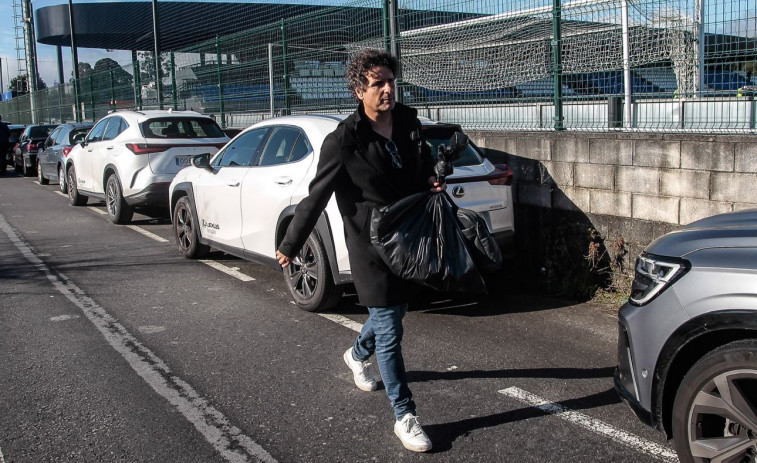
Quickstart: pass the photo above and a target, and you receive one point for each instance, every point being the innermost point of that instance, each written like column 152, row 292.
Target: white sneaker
column 411, row 434
column 364, row 379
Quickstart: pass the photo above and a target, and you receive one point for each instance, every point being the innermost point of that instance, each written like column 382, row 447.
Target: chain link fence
column 588, row 65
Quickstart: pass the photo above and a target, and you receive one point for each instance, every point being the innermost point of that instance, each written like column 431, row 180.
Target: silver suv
column 687, row 346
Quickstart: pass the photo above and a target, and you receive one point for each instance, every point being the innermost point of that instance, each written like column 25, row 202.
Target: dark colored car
column 52, row 154
column 25, row 150
column 687, row 345
column 15, row 133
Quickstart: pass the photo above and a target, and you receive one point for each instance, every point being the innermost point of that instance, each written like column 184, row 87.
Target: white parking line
column 148, row 234
column 99, row 211
column 58, row 192
column 342, row 320
column 233, row 271
column 637, row 443
column 227, row 439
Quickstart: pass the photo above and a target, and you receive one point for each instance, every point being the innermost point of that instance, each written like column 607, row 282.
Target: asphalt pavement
column 114, row 348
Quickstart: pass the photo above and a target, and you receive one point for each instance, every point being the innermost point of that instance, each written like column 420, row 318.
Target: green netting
column 672, row 64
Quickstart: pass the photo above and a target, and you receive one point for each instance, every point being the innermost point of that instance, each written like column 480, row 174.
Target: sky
column 46, row 54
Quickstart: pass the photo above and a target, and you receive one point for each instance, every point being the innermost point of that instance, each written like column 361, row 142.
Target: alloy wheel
column 304, row 272
column 723, row 418
column 184, row 229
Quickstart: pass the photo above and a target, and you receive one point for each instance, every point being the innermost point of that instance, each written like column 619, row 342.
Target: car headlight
column 654, row 274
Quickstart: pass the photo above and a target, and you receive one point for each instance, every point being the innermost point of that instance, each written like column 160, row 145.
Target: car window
column 301, row 148
column 116, row 125
column 53, row 138
column 75, row 136
column 97, row 131
column 279, row 146
column 181, row 127
column 241, row 151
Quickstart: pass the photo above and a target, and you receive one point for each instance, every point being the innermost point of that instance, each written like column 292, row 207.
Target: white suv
column 242, row 201
column 130, row 157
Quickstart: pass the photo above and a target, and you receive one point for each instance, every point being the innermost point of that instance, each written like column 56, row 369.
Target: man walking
column 375, row 157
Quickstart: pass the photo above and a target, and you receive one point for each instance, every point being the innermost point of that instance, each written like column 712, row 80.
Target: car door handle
column 110, row 147
column 233, row 183
column 283, row 180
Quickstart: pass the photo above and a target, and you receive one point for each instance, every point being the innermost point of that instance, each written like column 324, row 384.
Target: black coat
column 356, row 167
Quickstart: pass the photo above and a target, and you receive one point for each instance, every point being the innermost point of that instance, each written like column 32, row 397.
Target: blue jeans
column 382, row 334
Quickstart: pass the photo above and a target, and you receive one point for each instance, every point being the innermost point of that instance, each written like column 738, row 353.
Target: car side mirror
column 202, row 161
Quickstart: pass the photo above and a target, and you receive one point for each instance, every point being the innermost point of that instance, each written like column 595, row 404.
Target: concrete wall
column 629, row 186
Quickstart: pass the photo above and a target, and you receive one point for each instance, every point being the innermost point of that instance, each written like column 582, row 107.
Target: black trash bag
column 447, row 154
column 420, row 239
column 481, row 244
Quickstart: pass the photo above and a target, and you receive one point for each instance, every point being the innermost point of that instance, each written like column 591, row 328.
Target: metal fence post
column 385, row 25
column 270, row 78
column 628, row 113
column 158, row 65
column 112, row 92
column 92, row 97
column 220, row 83
column 287, row 103
column 557, row 65
column 174, row 100
column 75, row 61
column 394, row 32
column 137, row 86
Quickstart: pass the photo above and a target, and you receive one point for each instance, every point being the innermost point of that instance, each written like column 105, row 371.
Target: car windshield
column 183, row 127
column 441, row 136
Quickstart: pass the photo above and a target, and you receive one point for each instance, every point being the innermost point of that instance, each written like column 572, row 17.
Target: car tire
column 74, row 197
column 28, row 171
column 714, row 409
column 119, row 212
column 41, row 178
column 308, row 277
column 185, row 231
column 62, row 180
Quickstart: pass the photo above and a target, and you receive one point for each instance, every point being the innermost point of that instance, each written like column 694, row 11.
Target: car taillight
column 502, row 175
column 146, row 148
column 66, row 150
column 31, row 146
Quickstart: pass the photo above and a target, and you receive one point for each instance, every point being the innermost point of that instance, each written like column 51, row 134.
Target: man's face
column 378, row 94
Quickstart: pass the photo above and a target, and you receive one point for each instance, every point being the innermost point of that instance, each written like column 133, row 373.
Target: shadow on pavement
column 444, row 434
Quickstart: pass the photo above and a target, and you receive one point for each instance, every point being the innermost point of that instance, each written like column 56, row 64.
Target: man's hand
column 283, row 260
column 436, row 187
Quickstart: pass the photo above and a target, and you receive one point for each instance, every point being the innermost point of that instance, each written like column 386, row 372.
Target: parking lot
column 116, row 348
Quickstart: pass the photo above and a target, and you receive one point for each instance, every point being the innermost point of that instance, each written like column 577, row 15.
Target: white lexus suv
column 242, row 200
column 130, row 157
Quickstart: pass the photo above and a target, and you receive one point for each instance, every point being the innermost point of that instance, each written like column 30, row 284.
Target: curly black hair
column 363, row 62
